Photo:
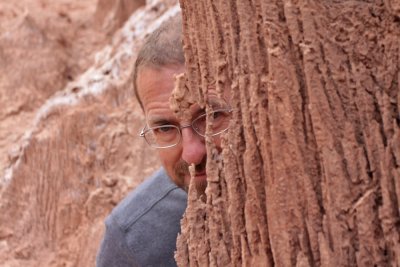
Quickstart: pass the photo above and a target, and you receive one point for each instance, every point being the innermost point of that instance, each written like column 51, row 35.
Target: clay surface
column 69, row 123
column 310, row 173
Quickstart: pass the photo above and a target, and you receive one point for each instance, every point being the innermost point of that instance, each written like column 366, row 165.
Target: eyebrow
column 218, row 104
column 199, row 111
column 158, row 120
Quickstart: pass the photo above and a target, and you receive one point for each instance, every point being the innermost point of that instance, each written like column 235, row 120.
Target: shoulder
column 149, row 220
column 155, row 192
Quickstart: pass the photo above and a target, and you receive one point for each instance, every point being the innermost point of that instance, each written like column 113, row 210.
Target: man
column 142, row 229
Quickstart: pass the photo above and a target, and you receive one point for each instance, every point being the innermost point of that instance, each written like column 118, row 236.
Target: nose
column 193, row 146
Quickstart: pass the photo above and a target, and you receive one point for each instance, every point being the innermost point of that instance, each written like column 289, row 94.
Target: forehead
column 154, row 85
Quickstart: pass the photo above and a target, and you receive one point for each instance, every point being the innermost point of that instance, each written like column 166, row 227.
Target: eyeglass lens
column 219, row 121
column 169, row 135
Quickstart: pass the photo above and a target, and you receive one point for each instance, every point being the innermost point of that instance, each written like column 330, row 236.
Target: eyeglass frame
column 179, row 128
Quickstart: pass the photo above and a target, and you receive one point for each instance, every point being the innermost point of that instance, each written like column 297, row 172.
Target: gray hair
column 162, row 48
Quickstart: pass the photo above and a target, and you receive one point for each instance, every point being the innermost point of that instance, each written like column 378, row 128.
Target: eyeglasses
column 166, row 136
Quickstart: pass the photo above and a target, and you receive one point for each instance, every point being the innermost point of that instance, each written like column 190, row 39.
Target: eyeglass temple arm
column 141, row 134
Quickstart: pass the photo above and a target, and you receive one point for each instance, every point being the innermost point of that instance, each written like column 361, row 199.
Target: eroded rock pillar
column 310, row 170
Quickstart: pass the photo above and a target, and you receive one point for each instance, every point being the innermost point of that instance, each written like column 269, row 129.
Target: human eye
column 164, row 129
column 217, row 114
column 220, row 120
column 165, row 134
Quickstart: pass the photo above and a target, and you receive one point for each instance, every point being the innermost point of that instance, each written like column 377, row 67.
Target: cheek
column 217, row 142
column 169, row 157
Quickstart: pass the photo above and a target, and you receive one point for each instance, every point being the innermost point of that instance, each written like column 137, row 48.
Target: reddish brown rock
column 310, row 172
column 111, row 15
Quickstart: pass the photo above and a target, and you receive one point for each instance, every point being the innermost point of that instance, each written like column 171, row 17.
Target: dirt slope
column 69, row 149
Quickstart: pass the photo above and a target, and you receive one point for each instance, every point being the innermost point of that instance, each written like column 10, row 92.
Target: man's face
column 154, row 88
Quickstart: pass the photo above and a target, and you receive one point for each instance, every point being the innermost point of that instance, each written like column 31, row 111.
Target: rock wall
column 69, row 149
column 310, row 170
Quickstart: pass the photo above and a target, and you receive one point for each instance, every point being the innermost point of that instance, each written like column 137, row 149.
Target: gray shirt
column 142, row 229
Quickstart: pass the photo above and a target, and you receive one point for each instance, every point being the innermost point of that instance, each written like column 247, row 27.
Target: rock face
column 310, row 170
column 69, row 149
